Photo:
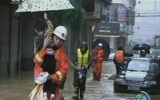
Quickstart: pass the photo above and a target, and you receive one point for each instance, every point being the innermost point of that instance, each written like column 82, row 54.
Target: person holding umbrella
column 97, row 69
column 145, row 53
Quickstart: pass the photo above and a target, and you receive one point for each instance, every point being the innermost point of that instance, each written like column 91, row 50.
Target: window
column 108, row 8
column 139, row 65
column 130, row 2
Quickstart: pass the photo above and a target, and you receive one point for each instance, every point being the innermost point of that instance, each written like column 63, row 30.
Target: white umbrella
column 44, row 5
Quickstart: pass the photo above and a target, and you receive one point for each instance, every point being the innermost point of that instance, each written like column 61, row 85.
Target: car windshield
column 139, row 65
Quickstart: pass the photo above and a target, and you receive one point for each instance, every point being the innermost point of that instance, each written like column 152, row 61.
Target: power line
column 139, row 16
column 149, row 30
column 147, row 2
column 137, row 13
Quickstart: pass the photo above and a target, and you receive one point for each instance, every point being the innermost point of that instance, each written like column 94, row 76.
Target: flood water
column 19, row 88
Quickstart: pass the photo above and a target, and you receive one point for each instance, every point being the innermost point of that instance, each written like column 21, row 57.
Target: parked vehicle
column 139, row 74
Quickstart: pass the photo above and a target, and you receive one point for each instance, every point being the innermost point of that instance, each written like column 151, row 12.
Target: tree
column 73, row 17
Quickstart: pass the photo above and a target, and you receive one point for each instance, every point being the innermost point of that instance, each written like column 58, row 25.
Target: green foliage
column 72, row 17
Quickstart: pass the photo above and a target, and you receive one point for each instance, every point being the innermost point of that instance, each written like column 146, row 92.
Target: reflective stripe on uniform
column 39, row 58
column 60, row 75
column 83, row 59
column 35, row 50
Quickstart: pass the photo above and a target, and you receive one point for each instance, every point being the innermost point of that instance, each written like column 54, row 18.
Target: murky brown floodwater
column 18, row 89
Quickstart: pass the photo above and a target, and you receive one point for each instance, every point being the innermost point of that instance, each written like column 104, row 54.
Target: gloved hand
column 41, row 78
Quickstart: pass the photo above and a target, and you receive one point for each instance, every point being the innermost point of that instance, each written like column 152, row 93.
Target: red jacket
column 100, row 56
column 62, row 64
column 95, row 52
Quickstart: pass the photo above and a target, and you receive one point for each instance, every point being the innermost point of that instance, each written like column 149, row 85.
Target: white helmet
column 100, row 44
column 61, row 32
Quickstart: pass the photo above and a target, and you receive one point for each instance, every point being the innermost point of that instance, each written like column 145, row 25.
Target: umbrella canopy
column 141, row 46
column 43, row 5
column 106, row 46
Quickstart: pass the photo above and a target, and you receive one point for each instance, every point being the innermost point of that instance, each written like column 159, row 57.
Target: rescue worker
column 119, row 59
column 81, row 60
column 62, row 63
column 95, row 51
column 97, row 69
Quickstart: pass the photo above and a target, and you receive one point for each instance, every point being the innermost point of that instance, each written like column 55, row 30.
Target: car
column 111, row 56
column 139, row 74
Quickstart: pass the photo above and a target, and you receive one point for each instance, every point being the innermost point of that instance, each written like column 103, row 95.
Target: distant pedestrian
column 97, row 69
column 119, row 58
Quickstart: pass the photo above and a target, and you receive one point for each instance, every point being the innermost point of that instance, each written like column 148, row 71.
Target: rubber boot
column 52, row 97
column 45, row 96
column 82, row 94
column 75, row 91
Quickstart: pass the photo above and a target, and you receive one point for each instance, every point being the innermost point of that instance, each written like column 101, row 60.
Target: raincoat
column 95, row 52
column 79, row 62
column 97, row 69
column 62, row 65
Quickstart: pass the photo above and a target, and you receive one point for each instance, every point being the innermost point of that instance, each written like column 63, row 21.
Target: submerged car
column 139, row 74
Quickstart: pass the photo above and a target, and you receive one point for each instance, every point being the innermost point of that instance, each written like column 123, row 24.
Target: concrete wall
column 9, row 40
column 128, row 3
column 4, row 39
column 27, row 41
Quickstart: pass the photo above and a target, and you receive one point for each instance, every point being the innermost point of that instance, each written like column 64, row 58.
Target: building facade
column 17, row 37
column 119, row 12
column 9, row 39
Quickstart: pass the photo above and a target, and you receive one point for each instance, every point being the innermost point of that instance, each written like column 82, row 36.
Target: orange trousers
column 97, row 70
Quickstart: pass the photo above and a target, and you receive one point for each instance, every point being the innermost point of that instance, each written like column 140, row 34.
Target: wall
column 27, row 41
column 112, row 12
column 4, row 39
column 14, row 41
column 9, row 39
column 128, row 3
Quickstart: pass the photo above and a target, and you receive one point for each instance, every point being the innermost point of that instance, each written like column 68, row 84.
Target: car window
column 139, row 65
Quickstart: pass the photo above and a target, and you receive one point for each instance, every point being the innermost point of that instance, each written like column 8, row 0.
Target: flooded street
column 18, row 89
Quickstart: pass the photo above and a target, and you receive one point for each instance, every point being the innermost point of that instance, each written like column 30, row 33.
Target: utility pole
column 104, row 3
column 155, row 5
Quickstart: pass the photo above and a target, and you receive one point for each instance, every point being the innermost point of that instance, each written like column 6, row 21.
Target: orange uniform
column 62, row 66
column 97, row 69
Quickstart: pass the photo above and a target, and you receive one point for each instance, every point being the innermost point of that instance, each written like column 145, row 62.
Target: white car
column 111, row 56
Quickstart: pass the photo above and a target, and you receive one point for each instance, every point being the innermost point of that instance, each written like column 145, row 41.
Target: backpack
column 119, row 57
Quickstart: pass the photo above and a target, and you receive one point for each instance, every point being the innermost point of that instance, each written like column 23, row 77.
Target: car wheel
column 158, row 87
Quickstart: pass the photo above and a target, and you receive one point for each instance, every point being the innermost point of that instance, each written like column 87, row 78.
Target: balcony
column 88, row 5
column 16, row 1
